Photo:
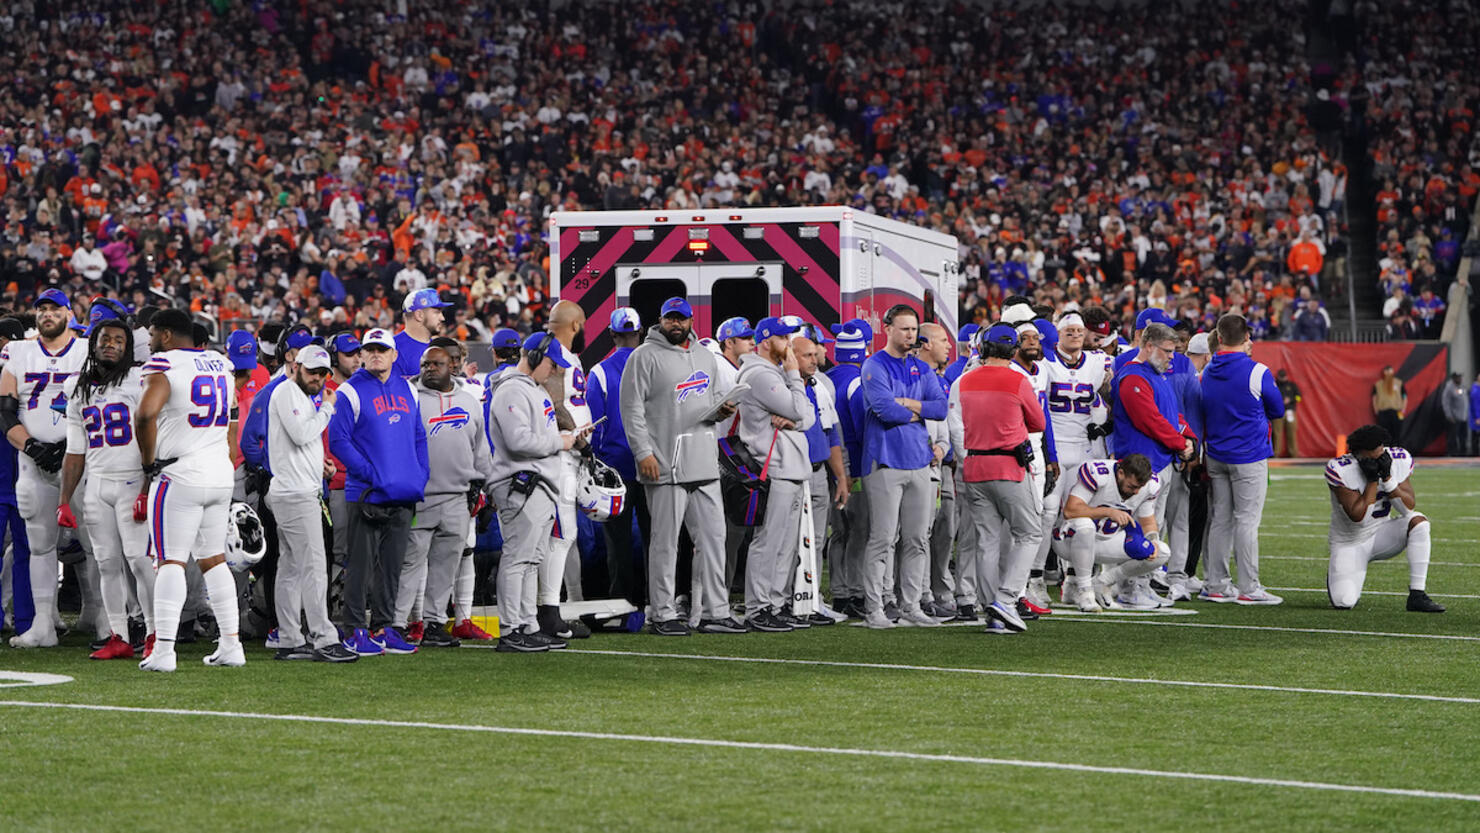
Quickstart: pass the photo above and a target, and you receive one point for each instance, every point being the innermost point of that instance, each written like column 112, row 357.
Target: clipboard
column 731, row 397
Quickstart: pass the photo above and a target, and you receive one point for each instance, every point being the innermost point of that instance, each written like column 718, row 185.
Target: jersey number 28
column 110, row 425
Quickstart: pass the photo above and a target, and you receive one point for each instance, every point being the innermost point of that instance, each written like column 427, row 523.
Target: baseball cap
column 423, row 299
column 676, row 306
column 241, row 348
column 625, row 320
column 1047, row 332
column 299, row 338
column 817, row 334
column 1004, row 334
column 52, row 295
column 774, row 327
column 1199, row 346
column 1137, row 545
column 964, row 335
column 314, row 357
column 504, row 338
column 553, row 351
column 1152, row 315
column 344, row 343
column 736, row 327
column 379, row 338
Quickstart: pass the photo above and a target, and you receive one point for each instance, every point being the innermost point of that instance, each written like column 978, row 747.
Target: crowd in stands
column 318, row 161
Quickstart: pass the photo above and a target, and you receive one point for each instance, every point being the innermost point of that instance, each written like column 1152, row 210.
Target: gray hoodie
column 784, row 394
column 522, row 429
column 457, row 453
column 667, row 390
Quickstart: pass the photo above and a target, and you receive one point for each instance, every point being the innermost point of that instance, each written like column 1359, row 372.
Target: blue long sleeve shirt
column 377, row 432
column 1475, row 407
column 253, row 439
column 1239, row 400
column 847, row 380
column 892, row 436
column 820, row 441
column 609, row 439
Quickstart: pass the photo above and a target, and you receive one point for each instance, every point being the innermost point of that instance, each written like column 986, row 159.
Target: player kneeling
column 1373, row 518
column 1109, row 519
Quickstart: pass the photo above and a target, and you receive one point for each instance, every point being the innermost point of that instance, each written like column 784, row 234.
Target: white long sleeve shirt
column 295, row 440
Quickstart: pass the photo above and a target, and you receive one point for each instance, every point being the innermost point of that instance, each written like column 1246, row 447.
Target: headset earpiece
column 536, row 355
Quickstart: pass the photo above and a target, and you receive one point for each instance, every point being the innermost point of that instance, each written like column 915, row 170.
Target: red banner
column 1336, row 380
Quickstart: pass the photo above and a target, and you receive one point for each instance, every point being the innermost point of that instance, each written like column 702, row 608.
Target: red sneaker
column 415, row 631
column 148, row 645
column 467, row 630
column 115, row 648
column 1038, row 609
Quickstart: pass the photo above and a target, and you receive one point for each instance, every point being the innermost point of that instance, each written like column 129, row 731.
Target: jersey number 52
column 1064, row 397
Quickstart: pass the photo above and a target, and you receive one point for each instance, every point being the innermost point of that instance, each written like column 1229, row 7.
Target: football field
column 1222, row 717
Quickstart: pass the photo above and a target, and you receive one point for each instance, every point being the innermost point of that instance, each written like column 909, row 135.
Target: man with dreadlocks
column 101, row 401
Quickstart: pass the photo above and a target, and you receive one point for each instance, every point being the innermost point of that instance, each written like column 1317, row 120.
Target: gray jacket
column 457, row 453
column 780, row 393
column 1456, row 403
column 522, row 429
column 667, row 390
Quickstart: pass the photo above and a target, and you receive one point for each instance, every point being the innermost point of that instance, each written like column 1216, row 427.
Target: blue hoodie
column 1239, row 400
column 847, row 381
column 609, row 439
column 377, row 432
column 891, row 435
column 253, row 439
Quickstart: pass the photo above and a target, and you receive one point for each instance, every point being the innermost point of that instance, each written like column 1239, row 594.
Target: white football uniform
column 102, row 428
column 1071, row 397
column 190, row 502
column 1381, row 534
column 1094, row 483
column 563, row 558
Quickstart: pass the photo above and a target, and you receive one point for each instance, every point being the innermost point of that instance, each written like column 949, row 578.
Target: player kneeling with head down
column 1373, row 518
column 1110, row 519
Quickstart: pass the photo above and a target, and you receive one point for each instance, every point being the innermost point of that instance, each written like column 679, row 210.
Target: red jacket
column 998, row 408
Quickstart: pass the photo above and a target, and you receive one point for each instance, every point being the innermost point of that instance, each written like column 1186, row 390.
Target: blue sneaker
column 391, row 641
column 272, row 640
column 361, row 644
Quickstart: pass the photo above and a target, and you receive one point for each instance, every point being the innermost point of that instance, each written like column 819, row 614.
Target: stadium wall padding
column 1336, row 380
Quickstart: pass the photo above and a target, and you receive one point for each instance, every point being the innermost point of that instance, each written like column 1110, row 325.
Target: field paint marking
column 769, row 747
column 1113, row 620
column 1372, row 592
column 1324, row 559
column 994, row 672
column 17, row 679
column 1057, row 611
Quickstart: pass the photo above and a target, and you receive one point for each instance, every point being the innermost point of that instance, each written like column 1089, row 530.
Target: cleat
column 415, row 631
column 1027, row 605
column 1021, row 606
column 334, row 653
column 1258, row 596
column 148, row 646
column 393, row 642
column 669, row 627
column 295, row 652
column 136, row 633
column 877, row 620
column 471, row 632
column 225, row 656
column 726, row 625
column 163, row 661
column 1007, row 615
column 1085, row 601
column 436, row 635
column 1419, row 602
column 117, row 648
column 360, row 644
column 965, row 613
column 917, row 619
column 1104, row 594
column 1208, row 594
column 518, row 642
column 38, row 636
column 996, row 628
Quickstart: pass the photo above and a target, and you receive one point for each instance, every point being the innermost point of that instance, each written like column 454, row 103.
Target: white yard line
column 995, row 672
column 1322, row 591
column 1323, row 559
column 771, row 747
column 1111, row 619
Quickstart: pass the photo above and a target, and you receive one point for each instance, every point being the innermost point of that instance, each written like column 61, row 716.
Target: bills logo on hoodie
column 452, row 418
column 549, row 412
column 696, row 385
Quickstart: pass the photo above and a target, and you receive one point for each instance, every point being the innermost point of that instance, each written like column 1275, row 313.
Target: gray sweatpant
column 302, row 582
column 1238, row 491
column 698, row 508
column 1175, row 533
column 526, row 523
column 966, row 546
column 901, row 501
column 769, row 567
column 821, row 511
column 845, row 565
column 439, row 532
column 999, row 575
column 943, row 540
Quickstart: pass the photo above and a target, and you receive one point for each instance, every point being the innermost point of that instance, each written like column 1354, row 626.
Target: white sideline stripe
column 769, row 747
column 1110, row 619
column 1373, row 592
column 1046, row 675
column 1324, row 559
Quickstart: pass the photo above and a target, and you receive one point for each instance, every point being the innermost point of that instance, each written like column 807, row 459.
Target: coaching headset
column 536, row 355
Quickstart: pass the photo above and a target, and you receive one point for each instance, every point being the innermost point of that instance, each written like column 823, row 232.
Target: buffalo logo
column 697, row 384
column 549, row 412
column 395, row 418
column 453, row 418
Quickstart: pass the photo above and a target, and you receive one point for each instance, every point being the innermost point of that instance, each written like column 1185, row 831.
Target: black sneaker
column 295, row 652
column 1024, row 613
column 435, row 635
column 767, row 622
column 670, row 627
column 334, row 653
column 578, row 629
column 548, row 617
column 554, row 643
column 891, row 611
column 136, row 633
column 797, row 623
column 819, row 620
column 97, row 644
column 965, row 613
column 852, row 607
column 1419, row 602
column 726, row 625
column 518, row 642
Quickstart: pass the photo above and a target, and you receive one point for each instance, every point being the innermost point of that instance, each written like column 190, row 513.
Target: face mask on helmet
column 600, row 492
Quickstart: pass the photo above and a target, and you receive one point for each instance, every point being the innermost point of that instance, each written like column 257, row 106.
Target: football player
column 1373, row 518
column 1110, row 519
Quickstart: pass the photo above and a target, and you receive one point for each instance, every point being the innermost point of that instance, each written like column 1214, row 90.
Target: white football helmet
column 246, row 541
column 599, row 490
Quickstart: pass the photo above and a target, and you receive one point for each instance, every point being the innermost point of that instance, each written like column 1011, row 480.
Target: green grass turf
column 121, row 771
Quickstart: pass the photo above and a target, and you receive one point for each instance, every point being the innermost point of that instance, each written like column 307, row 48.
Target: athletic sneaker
column 548, row 617
column 467, row 630
column 295, row 652
column 159, row 661
column 360, row 644
column 819, row 620
column 670, row 627
column 965, row 613
column 1069, row 593
column 1037, row 594
column 1178, row 592
column 767, row 622
column 996, row 628
column 415, row 631
column 1194, row 584
column 39, row 636
column 1211, row 594
column 393, row 642
column 334, row 653
column 891, row 611
column 825, row 610
column 518, row 642
column 1030, row 610
column 852, row 607
column 917, row 619
column 945, row 611
column 148, row 646
column 1419, row 602
column 1137, row 598
column 137, row 633
column 578, row 629
column 1007, row 615
column 1159, row 581
column 272, row 643
column 554, row 643
column 726, row 625
column 877, row 620
column 227, row 656
column 796, row 622
column 116, row 647
column 1085, row 600
column 1258, row 596
column 436, row 635
column 1104, row 594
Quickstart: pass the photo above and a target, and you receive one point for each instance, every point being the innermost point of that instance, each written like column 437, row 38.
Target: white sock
column 221, row 593
column 169, row 600
column 143, row 570
column 462, row 589
column 1418, row 557
column 44, row 588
